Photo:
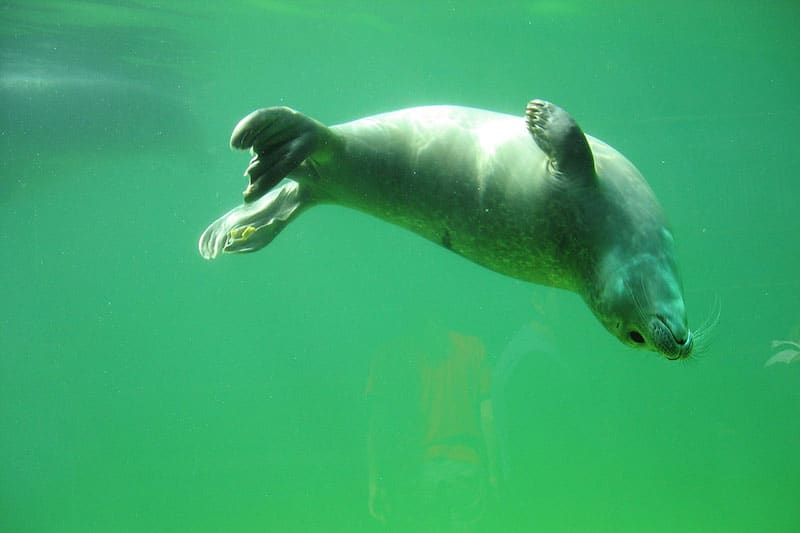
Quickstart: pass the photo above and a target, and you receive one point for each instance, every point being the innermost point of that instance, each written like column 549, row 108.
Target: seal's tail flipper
column 280, row 139
column 250, row 227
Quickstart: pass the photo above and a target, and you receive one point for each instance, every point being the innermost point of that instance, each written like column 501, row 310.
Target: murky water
column 145, row 389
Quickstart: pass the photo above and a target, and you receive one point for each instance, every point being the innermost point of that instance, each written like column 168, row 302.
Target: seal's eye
column 636, row 337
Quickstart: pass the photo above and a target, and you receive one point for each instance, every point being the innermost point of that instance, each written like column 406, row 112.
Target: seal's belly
column 471, row 180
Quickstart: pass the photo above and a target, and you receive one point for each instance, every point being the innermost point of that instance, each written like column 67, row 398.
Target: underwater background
column 143, row 388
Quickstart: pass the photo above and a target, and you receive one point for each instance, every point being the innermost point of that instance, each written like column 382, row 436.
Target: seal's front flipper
column 280, row 139
column 560, row 137
column 250, row 227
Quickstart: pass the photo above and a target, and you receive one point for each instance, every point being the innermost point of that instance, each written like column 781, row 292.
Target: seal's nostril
column 680, row 339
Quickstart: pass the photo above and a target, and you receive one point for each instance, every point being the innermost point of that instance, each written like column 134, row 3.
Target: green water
column 145, row 389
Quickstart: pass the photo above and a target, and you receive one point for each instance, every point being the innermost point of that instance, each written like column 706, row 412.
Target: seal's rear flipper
column 250, row 227
column 280, row 139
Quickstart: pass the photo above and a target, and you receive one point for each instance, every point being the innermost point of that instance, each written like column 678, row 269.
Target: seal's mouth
column 671, row 343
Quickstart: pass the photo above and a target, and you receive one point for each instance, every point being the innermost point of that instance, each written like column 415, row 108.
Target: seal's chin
column 669, row 343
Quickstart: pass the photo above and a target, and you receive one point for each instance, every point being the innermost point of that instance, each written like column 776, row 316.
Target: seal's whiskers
column 704, row 333
column 640, row 308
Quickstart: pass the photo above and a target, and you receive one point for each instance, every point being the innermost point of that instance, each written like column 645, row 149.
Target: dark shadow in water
column 88, row 89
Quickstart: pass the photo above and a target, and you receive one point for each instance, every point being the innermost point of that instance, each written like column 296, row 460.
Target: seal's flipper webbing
column 560, row 137
column 250, row 227
column 280, row 139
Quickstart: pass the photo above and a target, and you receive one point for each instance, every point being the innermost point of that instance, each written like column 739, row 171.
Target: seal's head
column 639, row 299
column 625, row 254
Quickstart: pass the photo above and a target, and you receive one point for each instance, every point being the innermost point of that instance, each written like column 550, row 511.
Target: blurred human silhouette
column 431, row 440
column 532, row 342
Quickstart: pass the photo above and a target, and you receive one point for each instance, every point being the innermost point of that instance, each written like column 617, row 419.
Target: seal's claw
column 537, row 117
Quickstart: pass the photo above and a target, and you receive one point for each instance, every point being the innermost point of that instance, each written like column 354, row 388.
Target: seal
column 530, row 197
